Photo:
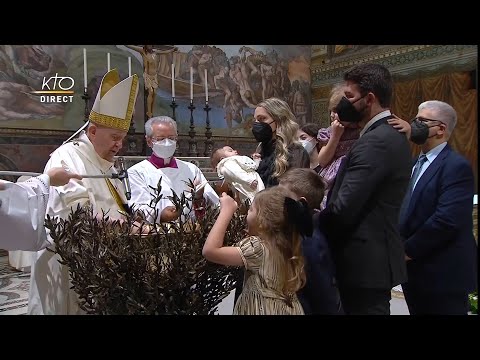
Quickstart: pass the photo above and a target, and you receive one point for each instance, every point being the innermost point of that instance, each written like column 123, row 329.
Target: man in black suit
column 436, row 221
column 361, row 217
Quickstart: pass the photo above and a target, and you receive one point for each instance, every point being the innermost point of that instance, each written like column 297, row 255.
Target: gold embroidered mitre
column 115, row 101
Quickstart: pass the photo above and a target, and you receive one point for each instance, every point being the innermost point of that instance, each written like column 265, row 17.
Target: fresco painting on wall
column 237, row 78
column 26, row 69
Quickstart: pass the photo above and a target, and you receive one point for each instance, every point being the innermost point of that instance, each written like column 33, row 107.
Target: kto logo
column 57, row 89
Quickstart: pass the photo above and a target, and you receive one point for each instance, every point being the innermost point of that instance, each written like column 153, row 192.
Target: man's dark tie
column 408, row 195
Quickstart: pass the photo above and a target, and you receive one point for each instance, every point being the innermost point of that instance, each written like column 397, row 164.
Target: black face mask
column 347, row 112
column 419, row 133
column 262, row 131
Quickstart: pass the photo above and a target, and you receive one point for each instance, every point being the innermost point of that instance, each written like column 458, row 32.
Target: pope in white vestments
column 92, row 153
column 161, row 136
column 22, row 210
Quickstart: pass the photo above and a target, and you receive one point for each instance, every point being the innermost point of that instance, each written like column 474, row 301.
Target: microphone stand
column 123, row 175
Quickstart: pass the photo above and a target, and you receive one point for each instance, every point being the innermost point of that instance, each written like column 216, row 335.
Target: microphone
column 124, row 176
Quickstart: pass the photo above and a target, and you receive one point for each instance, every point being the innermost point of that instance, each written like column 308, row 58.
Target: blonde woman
column 275, row 129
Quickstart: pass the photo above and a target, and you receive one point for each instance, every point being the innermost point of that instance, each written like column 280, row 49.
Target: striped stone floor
column 14, row 287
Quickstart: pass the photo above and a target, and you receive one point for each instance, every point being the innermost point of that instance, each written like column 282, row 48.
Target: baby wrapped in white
column 238, row 171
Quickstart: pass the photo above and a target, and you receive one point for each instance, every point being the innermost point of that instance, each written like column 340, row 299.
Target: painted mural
column 235, row 77
column 41, row 86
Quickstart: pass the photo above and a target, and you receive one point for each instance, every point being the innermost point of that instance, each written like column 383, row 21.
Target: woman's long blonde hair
column 281, row 236
column 286, row 133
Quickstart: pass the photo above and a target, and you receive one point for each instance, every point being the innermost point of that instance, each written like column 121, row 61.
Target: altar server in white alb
column 161, row 135
column 22, row 210
column 92, row 153
column 239, row 171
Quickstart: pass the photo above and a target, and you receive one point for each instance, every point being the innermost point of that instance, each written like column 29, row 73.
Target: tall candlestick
column 173, row 105
column 108, row 61
column 85, row 97
column 192, row 142
column 85, row 67
column 208, row 133
column 173, row 80
column 206, row 86
column 191, row 83
column 129, row 66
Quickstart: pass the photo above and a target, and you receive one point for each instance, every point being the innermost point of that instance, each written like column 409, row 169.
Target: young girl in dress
column 271, row 254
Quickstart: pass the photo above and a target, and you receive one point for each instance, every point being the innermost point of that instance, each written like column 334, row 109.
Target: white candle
column 108, row 61
column 129, row 66
column 191, row 83
column 85, row 67
column 173, row 80
column 206, row 86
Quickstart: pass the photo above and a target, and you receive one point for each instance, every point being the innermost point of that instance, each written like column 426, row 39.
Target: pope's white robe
column 49, row 283
column 144, row 174
column 22, row 214
column 239, row 172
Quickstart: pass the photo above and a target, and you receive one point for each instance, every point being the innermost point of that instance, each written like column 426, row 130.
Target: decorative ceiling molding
column 402, row 60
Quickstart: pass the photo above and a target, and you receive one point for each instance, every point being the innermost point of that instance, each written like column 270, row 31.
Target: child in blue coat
column 320, row 294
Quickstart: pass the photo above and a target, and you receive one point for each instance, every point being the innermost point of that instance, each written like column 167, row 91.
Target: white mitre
column 114, row 103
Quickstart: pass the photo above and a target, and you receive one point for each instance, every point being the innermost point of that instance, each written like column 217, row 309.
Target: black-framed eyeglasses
column 424, row 119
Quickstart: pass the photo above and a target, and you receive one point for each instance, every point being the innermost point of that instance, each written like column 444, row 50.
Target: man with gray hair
column 436, row 221
column 161, row 135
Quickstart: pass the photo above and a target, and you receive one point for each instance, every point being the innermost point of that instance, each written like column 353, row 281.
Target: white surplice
column 49, row 285
column 22, row 213
column 240, row 172
column 144, row 174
